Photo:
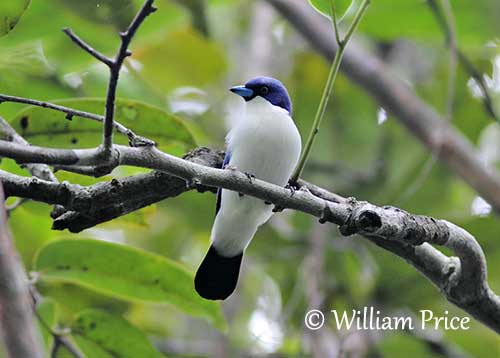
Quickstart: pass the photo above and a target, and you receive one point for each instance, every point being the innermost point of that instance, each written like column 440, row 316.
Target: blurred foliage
column 123, row 272
column 95, row 333
column 343, row 8
column 10, row 13
column 174, row 90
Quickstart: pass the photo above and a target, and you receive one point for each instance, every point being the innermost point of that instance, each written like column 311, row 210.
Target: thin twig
column 15, row 205
column 134, row 139
column 60, row 336
column 38, row 170
column 334, row 69
column 335, row 22
column 114, row 65
column 476, row 75
column 444, row 21
column 87, row 48
column 452, row 62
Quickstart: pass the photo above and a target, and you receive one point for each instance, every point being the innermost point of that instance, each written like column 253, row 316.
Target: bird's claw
column 278, row 209
column 250, row 177
column 194, row 183
column 292, row 188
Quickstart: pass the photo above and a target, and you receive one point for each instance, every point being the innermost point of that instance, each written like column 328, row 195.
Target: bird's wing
column 227, row 158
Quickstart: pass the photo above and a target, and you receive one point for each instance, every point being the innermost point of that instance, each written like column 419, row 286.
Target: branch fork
column 114, row 66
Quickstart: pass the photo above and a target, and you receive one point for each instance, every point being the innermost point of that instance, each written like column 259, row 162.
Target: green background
column 174, row 90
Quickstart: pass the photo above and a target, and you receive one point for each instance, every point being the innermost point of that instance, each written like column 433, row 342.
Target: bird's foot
column 194, row 183
column 250, row 177
column 278, row 209
column 292, row 187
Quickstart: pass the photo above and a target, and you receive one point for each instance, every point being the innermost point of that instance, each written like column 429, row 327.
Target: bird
column 263, row 143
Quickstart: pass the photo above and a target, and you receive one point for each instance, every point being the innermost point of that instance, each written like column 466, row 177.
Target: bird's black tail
column 217, row 275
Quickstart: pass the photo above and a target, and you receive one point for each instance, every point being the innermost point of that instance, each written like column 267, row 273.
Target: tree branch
column 446, row 26
column 134, row 139
column 374, row 77
column 332, row 75
column 462, row 279
column 87, row 48
column 21, row 336
column 92, row 205
column 60, row 338
column 41, row 171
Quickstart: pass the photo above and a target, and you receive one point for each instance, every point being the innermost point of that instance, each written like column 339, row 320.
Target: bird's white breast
column 263, row 142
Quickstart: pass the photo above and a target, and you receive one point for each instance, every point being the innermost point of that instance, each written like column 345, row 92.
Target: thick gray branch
column 375, row 78
column 463, row 279
column 18, row 325
column 88, row 206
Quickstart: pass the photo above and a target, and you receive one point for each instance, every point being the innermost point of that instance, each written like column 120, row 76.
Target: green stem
column 334, row 69
column 335, row 23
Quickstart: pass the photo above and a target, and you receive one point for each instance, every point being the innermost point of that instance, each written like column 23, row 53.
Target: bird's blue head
column 268, row 88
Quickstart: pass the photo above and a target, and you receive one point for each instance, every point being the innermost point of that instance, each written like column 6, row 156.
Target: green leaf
column 124, row 272
column 389, row 19
column 95, row 332
column 72, row 299
column 117, row 12
column 50, row 128
column 343, row 7
column 10, row 14
column 48, row 313
column 175, row 61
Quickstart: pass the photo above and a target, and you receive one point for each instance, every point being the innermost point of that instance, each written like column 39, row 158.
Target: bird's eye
column 264, row 90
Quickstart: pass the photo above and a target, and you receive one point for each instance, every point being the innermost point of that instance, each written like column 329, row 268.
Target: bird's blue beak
column 242, row 91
